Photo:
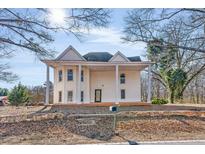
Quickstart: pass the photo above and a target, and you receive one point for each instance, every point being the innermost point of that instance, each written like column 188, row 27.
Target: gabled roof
column 70, row 54
column 98, row 56
column 119, row 57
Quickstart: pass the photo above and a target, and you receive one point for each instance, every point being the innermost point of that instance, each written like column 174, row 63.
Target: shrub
column 159, row 101
column 19, row 95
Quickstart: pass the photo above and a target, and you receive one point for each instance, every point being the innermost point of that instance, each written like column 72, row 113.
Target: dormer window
column 122, row 78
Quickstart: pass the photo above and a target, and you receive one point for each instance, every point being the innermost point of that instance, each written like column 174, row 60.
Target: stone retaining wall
column 61, row 115
column 31, row 117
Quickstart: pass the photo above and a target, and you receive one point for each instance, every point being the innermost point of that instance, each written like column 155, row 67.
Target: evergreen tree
column 19, row 95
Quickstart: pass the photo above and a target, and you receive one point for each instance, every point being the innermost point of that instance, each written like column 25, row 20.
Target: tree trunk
column 179, row 96
column 171, row 96
column 158, row 89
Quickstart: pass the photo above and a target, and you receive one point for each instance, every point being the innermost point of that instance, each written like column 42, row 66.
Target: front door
column 98, row 94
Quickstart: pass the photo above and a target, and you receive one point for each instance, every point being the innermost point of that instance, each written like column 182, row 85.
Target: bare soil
column 20, row 110
column 87, row 129
column 162, row 129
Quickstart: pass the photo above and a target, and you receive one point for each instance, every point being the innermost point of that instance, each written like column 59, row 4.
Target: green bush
column 19, row 95
column 159, row 101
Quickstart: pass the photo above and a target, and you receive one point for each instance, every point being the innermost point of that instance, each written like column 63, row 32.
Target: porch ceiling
column 112, row 68
column 101, row 65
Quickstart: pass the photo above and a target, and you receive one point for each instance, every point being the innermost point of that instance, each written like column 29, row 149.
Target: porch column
column 47, row 85
column 149, row 85
column 116, row 84
column 79, row 83
column 89, row 87
column 65, row 80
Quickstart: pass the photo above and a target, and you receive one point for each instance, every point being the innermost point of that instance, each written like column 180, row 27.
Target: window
column 122, row 78
column 70, row 96
column 60, row 96
column 81, row 96
column 82, row 76
column 70, row 75
column 122, row 93
column 60, row 75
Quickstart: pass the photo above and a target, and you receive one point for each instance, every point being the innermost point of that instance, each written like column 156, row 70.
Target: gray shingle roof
column 105, row 57
column 135, row 58
column 98, row 56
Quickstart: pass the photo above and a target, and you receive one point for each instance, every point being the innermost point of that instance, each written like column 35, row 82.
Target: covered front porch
column 115, row 68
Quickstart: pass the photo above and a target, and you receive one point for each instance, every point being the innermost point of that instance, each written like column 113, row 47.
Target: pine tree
column 19, row 95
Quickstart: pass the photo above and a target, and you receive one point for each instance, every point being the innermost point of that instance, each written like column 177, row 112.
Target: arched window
column 122, row 78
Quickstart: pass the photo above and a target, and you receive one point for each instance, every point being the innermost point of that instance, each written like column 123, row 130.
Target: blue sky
column 32, row 72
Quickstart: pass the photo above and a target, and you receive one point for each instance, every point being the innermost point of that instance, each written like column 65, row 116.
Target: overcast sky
column 33, row 72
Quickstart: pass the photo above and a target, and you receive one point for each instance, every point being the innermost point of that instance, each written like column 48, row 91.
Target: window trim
column 82, row 96
column 82, row 76
column 68, row 71
column 122, row 78
column 59, row 96
column 122, row 93
column 60, row 76
column 69, row 91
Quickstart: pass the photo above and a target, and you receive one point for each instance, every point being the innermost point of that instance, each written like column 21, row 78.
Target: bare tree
column 37, row 94
column 175, row 44
column 146, row 25
column 30, row 30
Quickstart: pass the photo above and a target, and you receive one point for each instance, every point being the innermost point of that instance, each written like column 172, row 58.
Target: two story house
column 96, row 77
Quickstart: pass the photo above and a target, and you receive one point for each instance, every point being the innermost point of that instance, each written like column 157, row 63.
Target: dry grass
column 162, row 129
column 21, row 110
column 131, row 125
column 194, row 105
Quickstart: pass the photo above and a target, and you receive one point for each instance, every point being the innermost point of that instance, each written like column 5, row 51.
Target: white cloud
column 112, row 36
column 105, row 35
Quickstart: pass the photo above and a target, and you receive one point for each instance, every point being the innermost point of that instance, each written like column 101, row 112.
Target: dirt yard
column 13, row 111
column 92, row 128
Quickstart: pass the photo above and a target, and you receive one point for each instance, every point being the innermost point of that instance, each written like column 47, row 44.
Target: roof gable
column 119, row 57
column 70, row 54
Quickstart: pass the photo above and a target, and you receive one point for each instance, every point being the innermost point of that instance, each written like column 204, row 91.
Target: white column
column 149, row 85
column 79, row 83
column 116, row 84
column 88, row 83
column 47, row 85
column 65, row 80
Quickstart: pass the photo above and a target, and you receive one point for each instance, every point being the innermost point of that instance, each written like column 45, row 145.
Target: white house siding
column 97, row 79
column 66, row 86
column 132, row 86
column 85, row 86
column 105, row 80
column 71, row 55
column 118, row 58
